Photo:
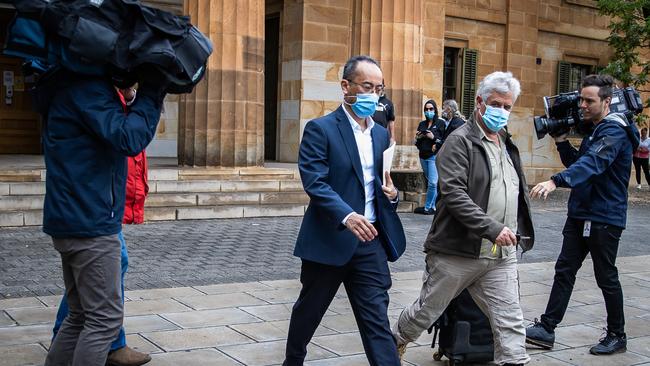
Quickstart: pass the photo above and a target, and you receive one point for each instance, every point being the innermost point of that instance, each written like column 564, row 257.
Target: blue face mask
column 495, row 118
column 429, row 114
column 365, row 105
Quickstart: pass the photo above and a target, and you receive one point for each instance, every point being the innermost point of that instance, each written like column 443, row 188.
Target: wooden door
column 20, row 127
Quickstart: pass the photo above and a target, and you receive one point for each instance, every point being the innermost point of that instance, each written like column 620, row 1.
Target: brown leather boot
column 127, row 356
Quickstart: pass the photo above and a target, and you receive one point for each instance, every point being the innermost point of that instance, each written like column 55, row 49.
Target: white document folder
column 388, row 161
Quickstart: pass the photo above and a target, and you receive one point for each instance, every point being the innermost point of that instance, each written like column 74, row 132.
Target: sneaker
column 424, row 211
column 127, row 356
column 610, row 344
column 539, row 336
column 638, row 186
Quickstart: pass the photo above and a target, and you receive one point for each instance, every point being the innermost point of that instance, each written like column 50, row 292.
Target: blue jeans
column 120, row 342
column 431, row 173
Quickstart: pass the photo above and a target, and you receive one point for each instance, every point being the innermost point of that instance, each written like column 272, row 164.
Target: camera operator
column 598, row 175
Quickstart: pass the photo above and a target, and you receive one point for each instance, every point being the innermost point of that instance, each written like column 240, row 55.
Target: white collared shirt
column 366, row 155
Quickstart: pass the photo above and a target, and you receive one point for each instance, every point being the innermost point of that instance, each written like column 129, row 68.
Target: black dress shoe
column 537, row 335
column 610, row 344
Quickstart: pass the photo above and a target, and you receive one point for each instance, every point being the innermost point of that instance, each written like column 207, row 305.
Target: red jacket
column 136, row 185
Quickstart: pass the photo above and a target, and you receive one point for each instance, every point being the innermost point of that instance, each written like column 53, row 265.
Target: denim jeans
column 120, row 342
column 602, row 243
column 431, row 174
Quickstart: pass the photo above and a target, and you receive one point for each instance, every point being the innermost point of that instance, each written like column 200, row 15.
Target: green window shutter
column 563, row 77
column 468, row 83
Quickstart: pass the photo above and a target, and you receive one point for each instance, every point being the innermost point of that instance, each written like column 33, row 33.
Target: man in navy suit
column 351, row 228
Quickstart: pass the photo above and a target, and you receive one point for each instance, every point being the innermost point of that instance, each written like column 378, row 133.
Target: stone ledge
column 8, row 219
column 26, row 175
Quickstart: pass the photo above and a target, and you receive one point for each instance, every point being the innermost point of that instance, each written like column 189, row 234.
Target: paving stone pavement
column 246, row 323
column 205, row 252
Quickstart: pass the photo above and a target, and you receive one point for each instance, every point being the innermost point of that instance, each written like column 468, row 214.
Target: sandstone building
column 277, row 64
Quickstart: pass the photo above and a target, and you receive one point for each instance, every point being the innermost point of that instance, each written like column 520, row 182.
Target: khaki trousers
column 493, row 286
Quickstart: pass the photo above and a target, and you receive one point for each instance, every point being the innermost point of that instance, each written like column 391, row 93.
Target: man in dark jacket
column 351, row 228
column 86, row 138
column 385, row 113
column 120, row 353
column 451, row 119
column 598, row 175
column 472, row 242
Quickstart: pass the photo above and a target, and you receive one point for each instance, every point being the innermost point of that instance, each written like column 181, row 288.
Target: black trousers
column 366, row 278
column 639, row 164
column 602, row 243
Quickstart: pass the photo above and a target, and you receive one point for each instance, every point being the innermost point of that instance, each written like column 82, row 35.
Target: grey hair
column 453, row 106
column 500, row 82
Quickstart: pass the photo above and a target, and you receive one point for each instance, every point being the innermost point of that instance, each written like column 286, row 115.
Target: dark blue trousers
column 366, row 278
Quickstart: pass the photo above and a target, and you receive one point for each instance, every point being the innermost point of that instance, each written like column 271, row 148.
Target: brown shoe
column 127, row 356
column 401, row 349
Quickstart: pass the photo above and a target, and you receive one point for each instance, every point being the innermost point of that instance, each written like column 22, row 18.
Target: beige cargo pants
column 493, row 286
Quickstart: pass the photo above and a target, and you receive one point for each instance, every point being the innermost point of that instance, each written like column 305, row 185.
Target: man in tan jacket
column 472, row 242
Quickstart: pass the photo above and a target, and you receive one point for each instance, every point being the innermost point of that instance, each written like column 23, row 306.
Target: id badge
column 586, row 231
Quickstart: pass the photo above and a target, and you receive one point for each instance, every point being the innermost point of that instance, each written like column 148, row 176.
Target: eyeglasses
column 369, row 87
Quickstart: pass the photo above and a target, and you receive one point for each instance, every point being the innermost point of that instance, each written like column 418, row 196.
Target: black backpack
column 464, row 333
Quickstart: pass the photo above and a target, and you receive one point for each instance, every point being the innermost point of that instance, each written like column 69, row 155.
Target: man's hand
column 389, row 188
column 560, row 138
column 542, row 190
column 506, row 237
column 128, row 93
column 361, row 227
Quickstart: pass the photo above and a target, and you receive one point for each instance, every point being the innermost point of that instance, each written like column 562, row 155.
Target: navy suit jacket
column 332, row 176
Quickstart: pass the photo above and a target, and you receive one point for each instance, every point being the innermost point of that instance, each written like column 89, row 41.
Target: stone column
column 316, row 44
column 391, row 32
column 222, row 122
column 433, row 51
column 520, row 58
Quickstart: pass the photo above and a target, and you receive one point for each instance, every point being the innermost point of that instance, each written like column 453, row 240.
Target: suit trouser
column 366, row 278
column 91, row 272
column 120, row 341
column 493, row 286
column 602, row 243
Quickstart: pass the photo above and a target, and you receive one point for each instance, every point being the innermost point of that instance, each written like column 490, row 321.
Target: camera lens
column 541, row 126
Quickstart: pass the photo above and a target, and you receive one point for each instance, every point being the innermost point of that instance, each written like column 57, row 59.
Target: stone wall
column 527, row 37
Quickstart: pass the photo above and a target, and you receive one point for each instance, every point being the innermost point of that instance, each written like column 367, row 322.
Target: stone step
column 225, row 199
column 35, row 202
column 22, row 175
column 198, row 186
column 173, row 174
column 167, row 213
column 15, row 203
column 405, row 207
column 35, row 217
